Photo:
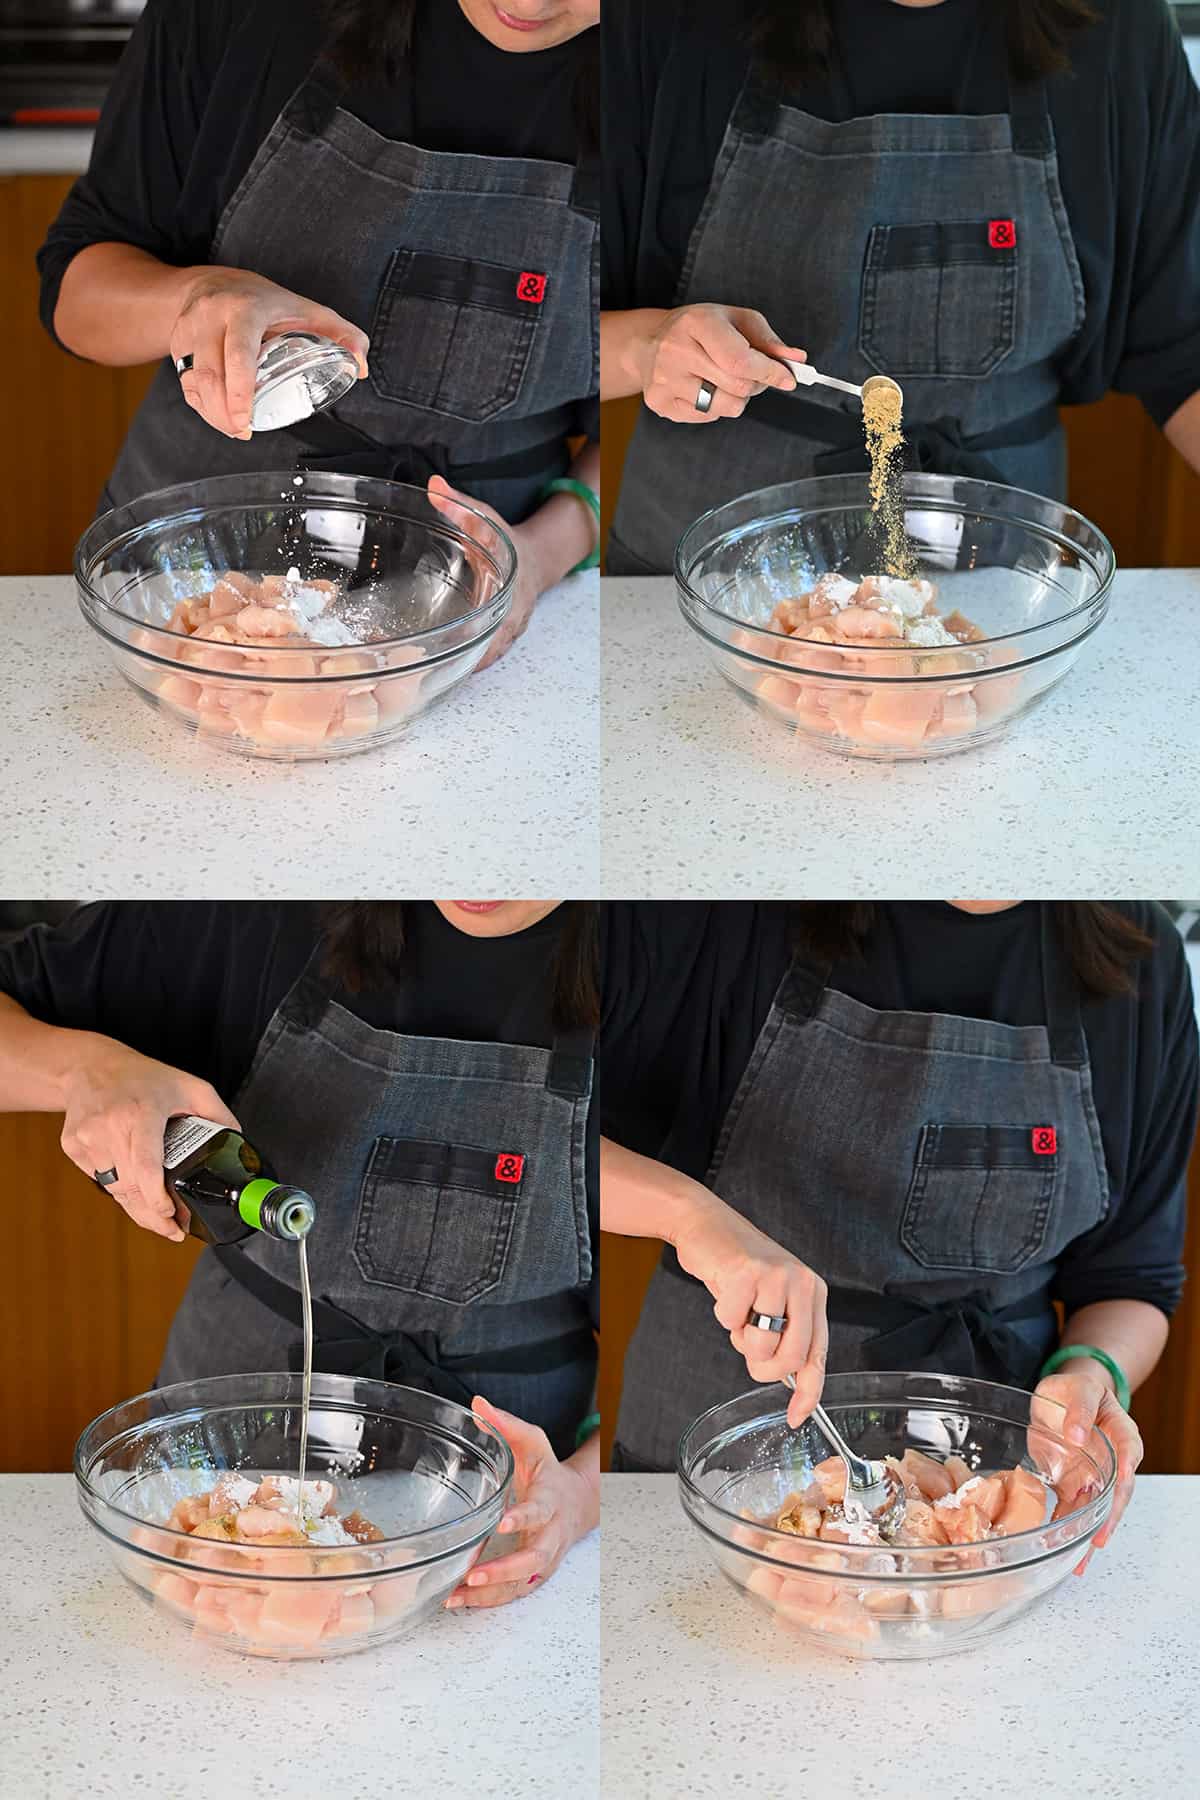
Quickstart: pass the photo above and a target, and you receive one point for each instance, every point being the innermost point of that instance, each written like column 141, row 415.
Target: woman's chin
column 494, row 918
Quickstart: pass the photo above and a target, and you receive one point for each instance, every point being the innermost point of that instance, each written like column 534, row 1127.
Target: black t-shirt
column 195, row 984
column 1126, row 124
column 688, row 986
column 203, row 82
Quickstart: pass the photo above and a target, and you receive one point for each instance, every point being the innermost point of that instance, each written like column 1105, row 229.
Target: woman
column 416, row 181
column 354, row 1045
column 909, row 1128
column 995, row 204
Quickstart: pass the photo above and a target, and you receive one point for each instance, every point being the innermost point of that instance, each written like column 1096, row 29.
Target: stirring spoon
column 874, row 1494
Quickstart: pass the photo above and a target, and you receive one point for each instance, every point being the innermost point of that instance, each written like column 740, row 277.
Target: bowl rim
column 505, row 1461
column 915, row 1550
column 340, row 500
column 940, row 500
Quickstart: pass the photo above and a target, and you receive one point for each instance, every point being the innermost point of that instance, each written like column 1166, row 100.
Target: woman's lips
column 514, row 24
column 479, row 906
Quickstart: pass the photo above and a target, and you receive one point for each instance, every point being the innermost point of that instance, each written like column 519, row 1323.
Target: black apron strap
column 931, row 446
column 328, row 443
column 944, row 1334
column 571, row 1056
column 1061, row 998
column 344, row 1346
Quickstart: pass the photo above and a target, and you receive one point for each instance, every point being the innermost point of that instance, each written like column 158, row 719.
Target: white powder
column 908, row 598
column 232, row 1492
column 307, row 606
column 836, row 590
column 963, row 1496
column 928, row 634
column 328, row 1531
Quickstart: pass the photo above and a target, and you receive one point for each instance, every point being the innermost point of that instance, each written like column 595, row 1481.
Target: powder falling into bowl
column 882, row 402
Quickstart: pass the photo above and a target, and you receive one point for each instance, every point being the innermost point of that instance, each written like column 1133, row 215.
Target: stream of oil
column 306, row 1301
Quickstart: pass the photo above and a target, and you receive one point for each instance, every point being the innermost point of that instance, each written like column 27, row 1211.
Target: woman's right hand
column 746, row 1271
column 732, row 348
column 117, row 1103
column 225, row 318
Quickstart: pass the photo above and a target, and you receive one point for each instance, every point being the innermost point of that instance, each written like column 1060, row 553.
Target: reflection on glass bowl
column 740, row 1462
column 1031, row 576
column 433, row 1478
column 417, row 597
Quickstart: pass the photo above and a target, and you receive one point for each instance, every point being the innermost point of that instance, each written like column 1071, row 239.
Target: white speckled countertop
column 101, row 1697
column 1094, row 792
column 45, row 150
column 494, row 787
column 1091, row 1696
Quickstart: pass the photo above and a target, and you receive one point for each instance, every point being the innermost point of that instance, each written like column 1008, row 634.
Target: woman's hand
column 553, row 1509
column 226, row 316
column 529, row 583
column 1085, row 1390
column 117, row 1103
column 735, row 350
column 746, row 1271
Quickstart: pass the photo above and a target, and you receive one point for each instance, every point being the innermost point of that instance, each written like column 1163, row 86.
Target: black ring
column 705, row 397
column 105, row 1178
column 184, row 365
column 762, row 1321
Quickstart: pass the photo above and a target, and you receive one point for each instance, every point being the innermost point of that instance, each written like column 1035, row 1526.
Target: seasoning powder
column 885, row 444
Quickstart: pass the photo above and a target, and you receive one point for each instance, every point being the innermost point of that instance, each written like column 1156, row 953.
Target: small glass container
column 299, row 375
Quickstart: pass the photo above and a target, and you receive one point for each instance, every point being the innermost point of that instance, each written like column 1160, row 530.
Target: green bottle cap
column 251, row 1198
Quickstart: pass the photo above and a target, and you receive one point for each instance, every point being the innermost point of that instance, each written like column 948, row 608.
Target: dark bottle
column 221, row 1180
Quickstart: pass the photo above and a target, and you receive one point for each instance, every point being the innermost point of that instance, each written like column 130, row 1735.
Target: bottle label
column 185, row 1134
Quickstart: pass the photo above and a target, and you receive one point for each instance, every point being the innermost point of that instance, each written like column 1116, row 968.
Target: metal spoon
column 806, row 376
column 874, row 1493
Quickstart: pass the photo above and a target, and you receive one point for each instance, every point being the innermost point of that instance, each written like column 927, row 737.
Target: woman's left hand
column 550, row 1511
column 1091, row 1404
column 528, row 585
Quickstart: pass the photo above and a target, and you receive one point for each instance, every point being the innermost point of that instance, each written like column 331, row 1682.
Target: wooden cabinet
column 1167, row 1408
column 64, row 420
column 1125, row 477
column 88, row 1299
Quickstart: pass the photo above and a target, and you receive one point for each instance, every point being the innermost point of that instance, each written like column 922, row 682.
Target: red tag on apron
column 1002, row 234
column 531, row 287
column 1045, row 1140
column 510, row 1168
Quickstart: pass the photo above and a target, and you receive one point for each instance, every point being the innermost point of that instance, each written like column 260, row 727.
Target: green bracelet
column 1069, row 1352
column 589, row 1428
column 586, row 494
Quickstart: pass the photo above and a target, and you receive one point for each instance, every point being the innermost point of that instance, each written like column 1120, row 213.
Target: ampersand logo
column 531, row 287
column 1045, row 1140
column 510, row 1168
column 1002, row 234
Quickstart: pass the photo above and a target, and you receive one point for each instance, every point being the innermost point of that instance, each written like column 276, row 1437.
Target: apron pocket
column 437, row 1219
column 939, row 299
column 980, row 1196
column 454, row 336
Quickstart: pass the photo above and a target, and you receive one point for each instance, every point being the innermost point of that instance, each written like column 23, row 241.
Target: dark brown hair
column 1102, row 943
column 794, row 38
column 365, row 947
column 367, row 37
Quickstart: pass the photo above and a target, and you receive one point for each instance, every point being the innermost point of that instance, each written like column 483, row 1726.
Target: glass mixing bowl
column 739, row 1463
column 422, row 596
column 1031, row 575
column 431, row 1476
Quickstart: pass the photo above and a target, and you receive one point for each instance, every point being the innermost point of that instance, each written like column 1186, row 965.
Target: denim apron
column 475, row 277
column 932, row 1169
column 935, row 249
column 451, row 1251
